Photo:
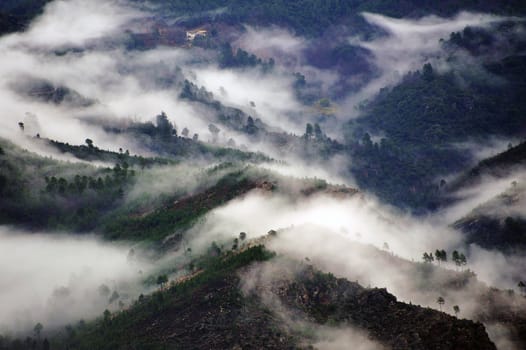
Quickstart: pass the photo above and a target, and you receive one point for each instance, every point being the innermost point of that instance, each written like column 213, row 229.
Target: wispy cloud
column 407, row 45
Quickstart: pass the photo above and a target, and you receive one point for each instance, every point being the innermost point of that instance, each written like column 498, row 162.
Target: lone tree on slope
column 522, row 287
column 162, row 280
column 38, row 329
column 456, row 309
column 214, row 130
column 440, row 302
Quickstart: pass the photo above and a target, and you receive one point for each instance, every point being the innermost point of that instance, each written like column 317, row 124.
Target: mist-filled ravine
column 235, row 174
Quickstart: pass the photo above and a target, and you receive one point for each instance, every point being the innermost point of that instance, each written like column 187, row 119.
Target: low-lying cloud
column 58, row 280
column 123, row 85
column 363, row 241
column 78, row 23
column 350, row 218
column 407, row 46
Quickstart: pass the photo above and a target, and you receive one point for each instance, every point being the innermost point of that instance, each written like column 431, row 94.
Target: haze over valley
column 235, row 174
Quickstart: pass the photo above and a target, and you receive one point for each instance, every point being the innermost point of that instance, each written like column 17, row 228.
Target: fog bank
column 58, row 279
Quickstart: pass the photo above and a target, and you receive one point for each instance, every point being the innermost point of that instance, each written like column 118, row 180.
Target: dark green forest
column 422, row 118
column 313, row 17
column 15, row 15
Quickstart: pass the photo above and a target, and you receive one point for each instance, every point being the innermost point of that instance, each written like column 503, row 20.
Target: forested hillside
column 313, row 17
column 236, row 174
column 16, row 15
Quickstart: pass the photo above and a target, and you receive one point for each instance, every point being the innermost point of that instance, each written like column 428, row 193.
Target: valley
column 235, row 174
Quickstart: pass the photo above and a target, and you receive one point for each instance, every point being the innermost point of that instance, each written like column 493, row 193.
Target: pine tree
column 440, row 302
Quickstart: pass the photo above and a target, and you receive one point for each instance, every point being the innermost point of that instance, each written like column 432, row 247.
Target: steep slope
column 420, row 121
column 396, row 324
column 498, row 166
column 120, row 201
column 174, row 216
column 41, row 192
column 419, row 283
column 212, row 309
column 498, row 223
